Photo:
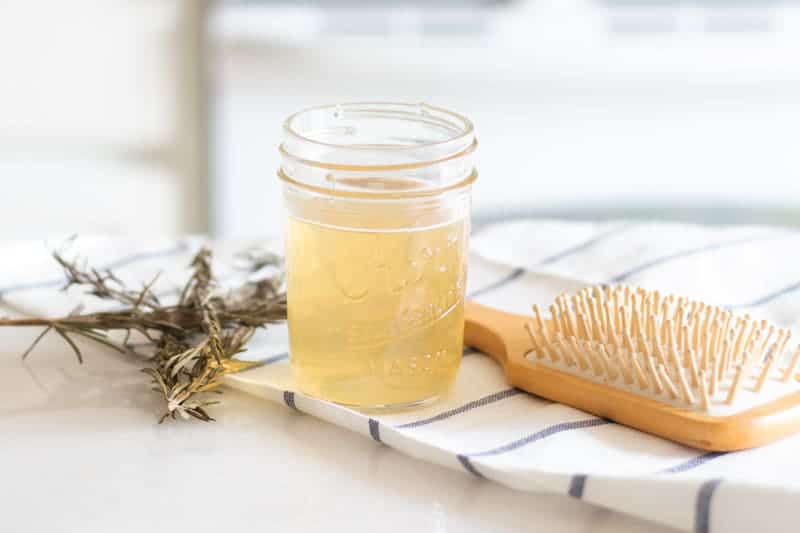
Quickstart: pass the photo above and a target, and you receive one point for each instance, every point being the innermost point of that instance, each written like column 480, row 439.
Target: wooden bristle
column 557, row 351
column 790, row 370
column 682, row 351
column 624, row 365
column 667, row 381
column 775, row 354
column 752, row 336
column 594, row 316
column 737, row 379
column 537, row 315
column 580, row 358
column 685, row 345
column 556, row 317
column 762, row 378
column 704, row 400
column 532, row 335
column 725, row 357
column 641, row 377
column 686, row 391
column 564, row 350
column 713, row 381
column 693, row 368
column 653, row 374
column 610, row 367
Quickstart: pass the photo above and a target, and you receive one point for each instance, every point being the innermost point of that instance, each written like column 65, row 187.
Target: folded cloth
column 490, row 430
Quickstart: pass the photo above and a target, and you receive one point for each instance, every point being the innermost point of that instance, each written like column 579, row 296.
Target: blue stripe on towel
column 465, row 461
column 685, row 253
column 693, row 463
column 480, row 402
column 542, row 434
column 274, row 358
column 769, row 297
column 288, row 399
column 497, row 284
column 702, row 506
column 119, row 263
column 516, row 273
column 576, row 485
column 586, row 244
column 375, row 430
column 468, row 466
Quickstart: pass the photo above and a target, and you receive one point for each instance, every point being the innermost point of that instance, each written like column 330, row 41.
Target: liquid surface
column 376, row 318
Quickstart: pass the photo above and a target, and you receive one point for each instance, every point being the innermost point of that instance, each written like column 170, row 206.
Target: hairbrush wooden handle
column 489, row 330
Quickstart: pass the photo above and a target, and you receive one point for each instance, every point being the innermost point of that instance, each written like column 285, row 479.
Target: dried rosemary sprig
column 194, row 340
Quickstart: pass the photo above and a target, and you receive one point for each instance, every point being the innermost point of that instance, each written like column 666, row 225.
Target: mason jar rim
column 355, row 149
column 467, row 129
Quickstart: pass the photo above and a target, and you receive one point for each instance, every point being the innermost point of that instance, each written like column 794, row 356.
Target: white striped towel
column 490, row 430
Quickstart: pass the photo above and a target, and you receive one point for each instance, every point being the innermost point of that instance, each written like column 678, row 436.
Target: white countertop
column 81, row 451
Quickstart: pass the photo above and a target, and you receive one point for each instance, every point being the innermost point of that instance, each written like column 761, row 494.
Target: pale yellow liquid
column 376, row 318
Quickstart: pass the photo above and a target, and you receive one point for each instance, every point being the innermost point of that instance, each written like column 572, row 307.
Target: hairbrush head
column 675, row 350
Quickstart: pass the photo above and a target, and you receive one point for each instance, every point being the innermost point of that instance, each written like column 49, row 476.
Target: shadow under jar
column 378, row 198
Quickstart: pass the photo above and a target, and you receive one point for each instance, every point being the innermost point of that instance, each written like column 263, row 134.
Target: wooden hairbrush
column 680, row 369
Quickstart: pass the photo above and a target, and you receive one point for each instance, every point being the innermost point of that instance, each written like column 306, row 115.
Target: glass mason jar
column 378, row 199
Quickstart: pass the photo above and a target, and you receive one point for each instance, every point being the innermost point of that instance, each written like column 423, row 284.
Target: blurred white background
column 101, row 125
column 164, row 115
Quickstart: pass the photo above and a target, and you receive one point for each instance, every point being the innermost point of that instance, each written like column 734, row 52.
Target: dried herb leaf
column 194, row 340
